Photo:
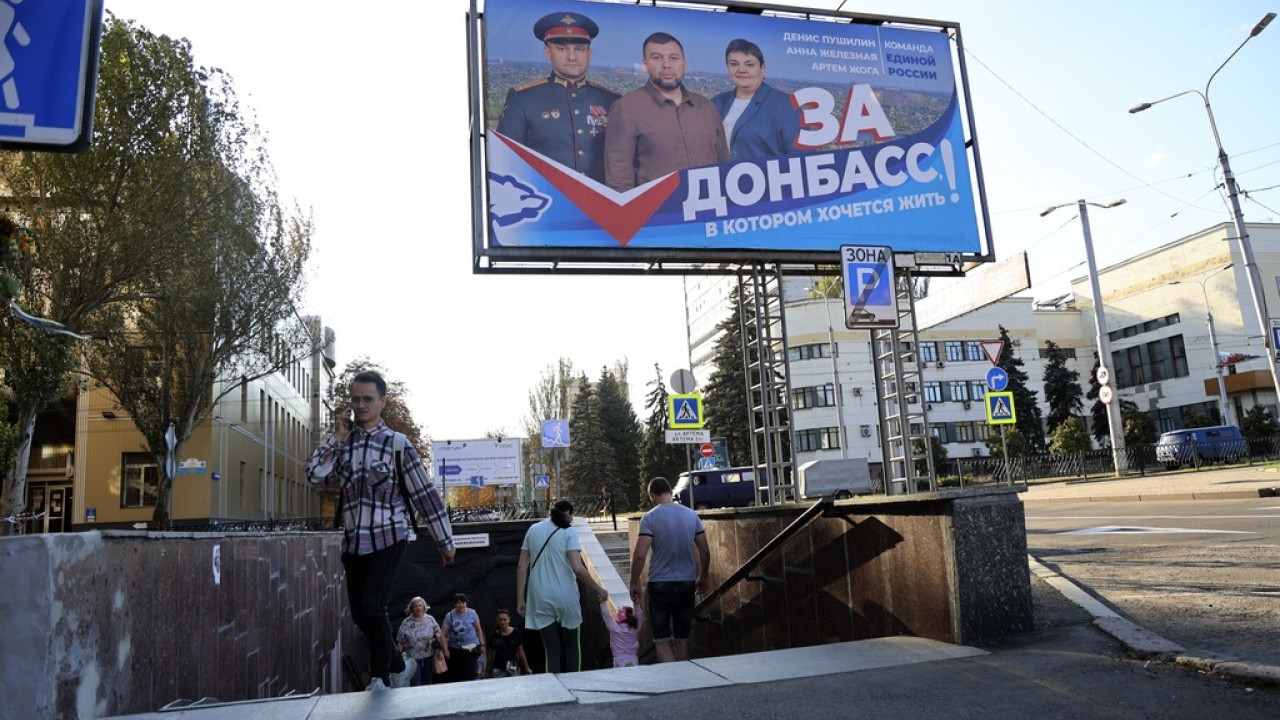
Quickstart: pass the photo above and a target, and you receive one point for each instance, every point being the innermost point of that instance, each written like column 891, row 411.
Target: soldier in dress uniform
column 562, row 116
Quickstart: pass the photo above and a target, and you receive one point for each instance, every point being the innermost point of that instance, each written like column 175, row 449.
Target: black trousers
column 369, row 579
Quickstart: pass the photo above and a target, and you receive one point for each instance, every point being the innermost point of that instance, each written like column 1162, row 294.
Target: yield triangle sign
column 992, row 349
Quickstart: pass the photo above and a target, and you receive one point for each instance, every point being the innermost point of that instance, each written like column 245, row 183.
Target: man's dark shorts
column 671, row 609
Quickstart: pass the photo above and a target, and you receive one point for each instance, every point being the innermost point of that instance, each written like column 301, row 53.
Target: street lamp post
column 1224, row 406
column 1115, row 424
column 835, row 376
column 1233, row 193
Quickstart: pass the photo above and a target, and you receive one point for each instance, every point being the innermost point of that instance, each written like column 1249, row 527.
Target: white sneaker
column 401, row 679
column 376, row 684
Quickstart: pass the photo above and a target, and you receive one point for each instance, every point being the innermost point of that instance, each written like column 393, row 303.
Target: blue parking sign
column 48, row 73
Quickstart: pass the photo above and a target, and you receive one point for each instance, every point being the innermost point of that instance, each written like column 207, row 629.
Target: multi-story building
column 246, row 461
column 1156, row 305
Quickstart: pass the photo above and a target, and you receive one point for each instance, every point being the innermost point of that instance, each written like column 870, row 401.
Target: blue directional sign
column 48, row 73
column 1000, row 408
column 555, row 433
column 997, row 379
column 542, row 482
column 447, row 470
column 477, row 481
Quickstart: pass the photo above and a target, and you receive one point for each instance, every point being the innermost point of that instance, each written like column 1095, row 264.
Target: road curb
column 1146, row 645
column 1242, row 672
column 1165, row 496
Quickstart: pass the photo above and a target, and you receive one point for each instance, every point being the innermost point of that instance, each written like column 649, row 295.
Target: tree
column 1259, row 424
column 939, row 452
column 725, row 405
column 106, row 228
column 395, row 413
column 1061, row 387
column 1099, row 422
column 1139, row 428
column 1260, row 429
column 620, row 430
column 591, row 464
column 1013, row 439
column 1197, row 419
column 658, row 458
column 1024, row 399
column 1070, row 437
column 548, row 400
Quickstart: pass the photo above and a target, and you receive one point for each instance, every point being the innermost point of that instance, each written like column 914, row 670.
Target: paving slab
column 832, row 659
column 641, row 681
column 443, row 699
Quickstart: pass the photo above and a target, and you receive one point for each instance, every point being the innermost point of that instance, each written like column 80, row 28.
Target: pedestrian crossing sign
column 1000, row 408
column 684, row 412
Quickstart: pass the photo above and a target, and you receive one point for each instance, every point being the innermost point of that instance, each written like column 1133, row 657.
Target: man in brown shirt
column 661, row 127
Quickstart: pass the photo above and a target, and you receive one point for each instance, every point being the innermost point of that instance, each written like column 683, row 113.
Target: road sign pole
column 1004, row 454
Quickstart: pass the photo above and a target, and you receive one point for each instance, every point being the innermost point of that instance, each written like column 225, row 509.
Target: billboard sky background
column 366, row 108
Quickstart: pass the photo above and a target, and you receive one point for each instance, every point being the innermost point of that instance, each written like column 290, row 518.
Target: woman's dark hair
column 500, row 611
column 629, row 618
column 745, row 47
column 560, row 513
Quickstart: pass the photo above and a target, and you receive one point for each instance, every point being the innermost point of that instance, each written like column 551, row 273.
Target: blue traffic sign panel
column 555, row 433
column 542, row 482
column 1000, row 408
column 477, row 481
column 48, row 72
column 997, row 379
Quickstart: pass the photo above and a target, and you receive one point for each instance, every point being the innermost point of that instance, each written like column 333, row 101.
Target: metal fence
column 1144, row 459
column 586, row 506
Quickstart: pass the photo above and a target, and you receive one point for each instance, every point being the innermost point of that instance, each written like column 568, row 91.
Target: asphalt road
column 1202, row 573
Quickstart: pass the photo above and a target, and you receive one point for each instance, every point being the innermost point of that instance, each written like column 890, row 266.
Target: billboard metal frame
column 689, row 261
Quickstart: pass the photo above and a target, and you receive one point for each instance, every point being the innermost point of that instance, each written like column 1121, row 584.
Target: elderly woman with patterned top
column 759, row 121
column 420, row 637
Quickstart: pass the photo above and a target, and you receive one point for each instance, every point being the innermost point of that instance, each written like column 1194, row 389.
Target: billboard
column 639, row 133
column 477, row 463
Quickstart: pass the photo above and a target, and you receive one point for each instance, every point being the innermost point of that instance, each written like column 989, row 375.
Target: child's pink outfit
column 624, row 640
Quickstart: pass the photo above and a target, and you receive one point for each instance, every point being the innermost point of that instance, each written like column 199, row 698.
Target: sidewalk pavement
column 1083, row 660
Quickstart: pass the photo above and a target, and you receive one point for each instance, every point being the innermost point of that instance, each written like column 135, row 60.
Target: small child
column 624, row 634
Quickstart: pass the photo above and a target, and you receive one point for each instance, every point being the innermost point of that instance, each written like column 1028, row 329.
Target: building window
column 964, row 432
column 955, row 350
column 929, row 351
column 981, row 431
column 1156, row 357
column 932, row 391
column 973, row 350
column 817, row 439
column 811, row 397
column 938, row 430
column 140, row 481
column 959, row 390
column 1137, row 371
column 1068, row 353
column 1178, row 356
column 808, row 352
column 977, row 389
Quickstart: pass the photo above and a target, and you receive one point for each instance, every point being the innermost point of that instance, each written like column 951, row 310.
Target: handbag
column 438, row 663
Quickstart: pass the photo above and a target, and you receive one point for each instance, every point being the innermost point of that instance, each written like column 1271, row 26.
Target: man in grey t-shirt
column 669, row 534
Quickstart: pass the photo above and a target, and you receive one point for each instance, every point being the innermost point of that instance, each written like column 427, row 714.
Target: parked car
column 1220, row 443
column 719, row 487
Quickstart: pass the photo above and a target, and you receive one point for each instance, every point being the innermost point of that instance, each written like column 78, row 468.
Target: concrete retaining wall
column 945, row 566
column 116, row 622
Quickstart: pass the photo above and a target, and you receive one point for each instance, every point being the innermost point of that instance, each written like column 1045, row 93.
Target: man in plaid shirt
column 360, row 456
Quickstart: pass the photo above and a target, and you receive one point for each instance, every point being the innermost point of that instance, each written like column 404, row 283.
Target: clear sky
column 366, row 111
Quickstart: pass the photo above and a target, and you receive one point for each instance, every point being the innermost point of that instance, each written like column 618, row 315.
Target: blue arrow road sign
column 48, row 72
column 997, row 379
column 450, row 469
